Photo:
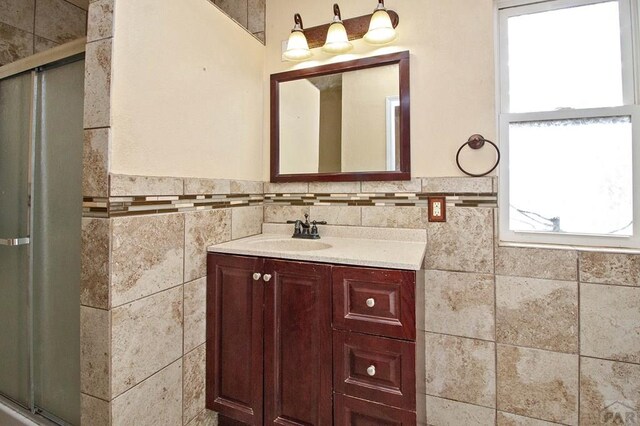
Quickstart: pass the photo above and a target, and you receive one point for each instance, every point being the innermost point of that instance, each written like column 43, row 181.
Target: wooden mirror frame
column 402, row 60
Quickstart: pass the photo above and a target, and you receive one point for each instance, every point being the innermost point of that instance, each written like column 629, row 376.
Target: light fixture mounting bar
column 356, row 29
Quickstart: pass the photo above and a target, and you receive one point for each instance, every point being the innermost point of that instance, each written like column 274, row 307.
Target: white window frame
column 630, row 44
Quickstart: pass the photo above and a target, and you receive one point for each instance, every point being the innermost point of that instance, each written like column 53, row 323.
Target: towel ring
column 477, row 142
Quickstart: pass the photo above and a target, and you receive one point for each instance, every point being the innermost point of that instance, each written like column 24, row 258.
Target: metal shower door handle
column 11, row 242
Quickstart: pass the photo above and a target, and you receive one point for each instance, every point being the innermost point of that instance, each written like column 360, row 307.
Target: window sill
column 612, row 250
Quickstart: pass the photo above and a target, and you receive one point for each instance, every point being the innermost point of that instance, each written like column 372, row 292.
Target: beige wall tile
column 281, row 214
column 18, row 13
column 195, row 307
column 394, row 217
column 95, row 163
column 146, row 337
column 100, row 20
column 94, row 411
column 194, row 370
column 286, row 188
column 460, row 369
column 147, row 255
column 537, row 313
column 60, row 21
column 610, row 268
column 261, row 36
column 237, row 9
column 246, row 221
column 83, row 4
column 202, row 229
column 193, row 186
column 458, row 185
column 156, row 401
column 125, row 185
column 94, row 263
column 42, row 44
column 608, row 391
column 463, row 243
column 460, row 304
column 444, row 412
column 413, row 185
column 336, row 215
column 507, row 419
column 246, row 187
column 537, row 263
column 97, row 84
column 610, row 322
column 95, row 352
column 256, row 9
column 538, row 384
column 14, row 44
column 334, row 187
column 205, row 418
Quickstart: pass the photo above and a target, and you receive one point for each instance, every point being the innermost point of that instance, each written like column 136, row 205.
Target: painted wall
column 452, row 70
column 300, row 127
column 187, row 92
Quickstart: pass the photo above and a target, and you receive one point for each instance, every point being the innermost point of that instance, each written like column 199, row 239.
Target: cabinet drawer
column 375, row 368
column 356, row 412
column 375, row 301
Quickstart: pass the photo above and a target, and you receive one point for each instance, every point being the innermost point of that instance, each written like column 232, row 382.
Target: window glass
column 565, row 58
column 571, row 176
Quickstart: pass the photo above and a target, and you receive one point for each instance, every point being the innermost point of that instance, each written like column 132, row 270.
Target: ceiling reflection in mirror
column 342, row 122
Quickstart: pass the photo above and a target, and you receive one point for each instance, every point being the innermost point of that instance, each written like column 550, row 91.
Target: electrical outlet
column 437, row 209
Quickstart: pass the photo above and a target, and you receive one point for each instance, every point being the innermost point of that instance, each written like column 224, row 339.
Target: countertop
column 359, row 246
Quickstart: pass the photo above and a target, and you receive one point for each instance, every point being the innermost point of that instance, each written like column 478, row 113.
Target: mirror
column 342, row 122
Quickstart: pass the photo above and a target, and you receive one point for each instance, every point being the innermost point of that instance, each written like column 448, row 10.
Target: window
column 569, row 123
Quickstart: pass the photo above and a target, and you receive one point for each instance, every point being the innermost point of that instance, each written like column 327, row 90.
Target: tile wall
column 32, row 26
column 143, row 297
column 248, row 13
column 514, row 336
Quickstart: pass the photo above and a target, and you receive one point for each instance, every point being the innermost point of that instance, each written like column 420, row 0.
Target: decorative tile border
column 402, row 199
column 145, row 205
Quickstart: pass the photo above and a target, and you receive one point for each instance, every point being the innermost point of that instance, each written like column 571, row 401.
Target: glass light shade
column 381, row 29
column 337, row 39
column 297, row 47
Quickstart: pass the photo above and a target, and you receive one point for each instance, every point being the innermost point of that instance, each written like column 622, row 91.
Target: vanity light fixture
column 297, row 46
column 381, row 29
column 337, row 40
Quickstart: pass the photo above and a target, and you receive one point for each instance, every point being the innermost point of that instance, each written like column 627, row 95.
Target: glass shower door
column 16, row 113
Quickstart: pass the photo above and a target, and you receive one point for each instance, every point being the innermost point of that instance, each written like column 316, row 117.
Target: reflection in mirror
column 343, row 122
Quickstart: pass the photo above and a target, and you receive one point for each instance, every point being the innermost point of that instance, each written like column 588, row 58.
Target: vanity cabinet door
column 235, row 337
column 298, row 344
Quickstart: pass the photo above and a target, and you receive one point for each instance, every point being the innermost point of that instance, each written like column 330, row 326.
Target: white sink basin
column 290, row 245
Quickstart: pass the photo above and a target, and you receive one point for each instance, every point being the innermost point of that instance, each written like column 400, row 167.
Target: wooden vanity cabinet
column 299, row 343
column 268, row 324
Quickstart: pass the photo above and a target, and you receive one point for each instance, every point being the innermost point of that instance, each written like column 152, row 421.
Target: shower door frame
column 58, row 56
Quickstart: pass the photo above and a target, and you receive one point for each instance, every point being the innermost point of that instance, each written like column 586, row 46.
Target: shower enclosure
column 40, row 222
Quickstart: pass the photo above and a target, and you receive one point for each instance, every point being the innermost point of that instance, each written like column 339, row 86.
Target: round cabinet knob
column 256, row 276
column 371, row 303
column 371, row 370
column 266, row 278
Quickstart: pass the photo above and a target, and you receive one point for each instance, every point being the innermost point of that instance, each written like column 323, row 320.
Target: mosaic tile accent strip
column 142, row 205
column 145, row 205
column 402, row 199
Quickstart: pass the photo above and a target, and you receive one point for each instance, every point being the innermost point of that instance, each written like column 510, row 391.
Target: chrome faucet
column 307, row 230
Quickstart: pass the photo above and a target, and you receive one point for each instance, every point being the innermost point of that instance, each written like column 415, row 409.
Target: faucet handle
column 319, row 222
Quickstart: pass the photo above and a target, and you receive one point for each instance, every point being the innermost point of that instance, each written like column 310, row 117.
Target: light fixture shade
column 297, row 47
column 337, row 39
column 381, row 29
